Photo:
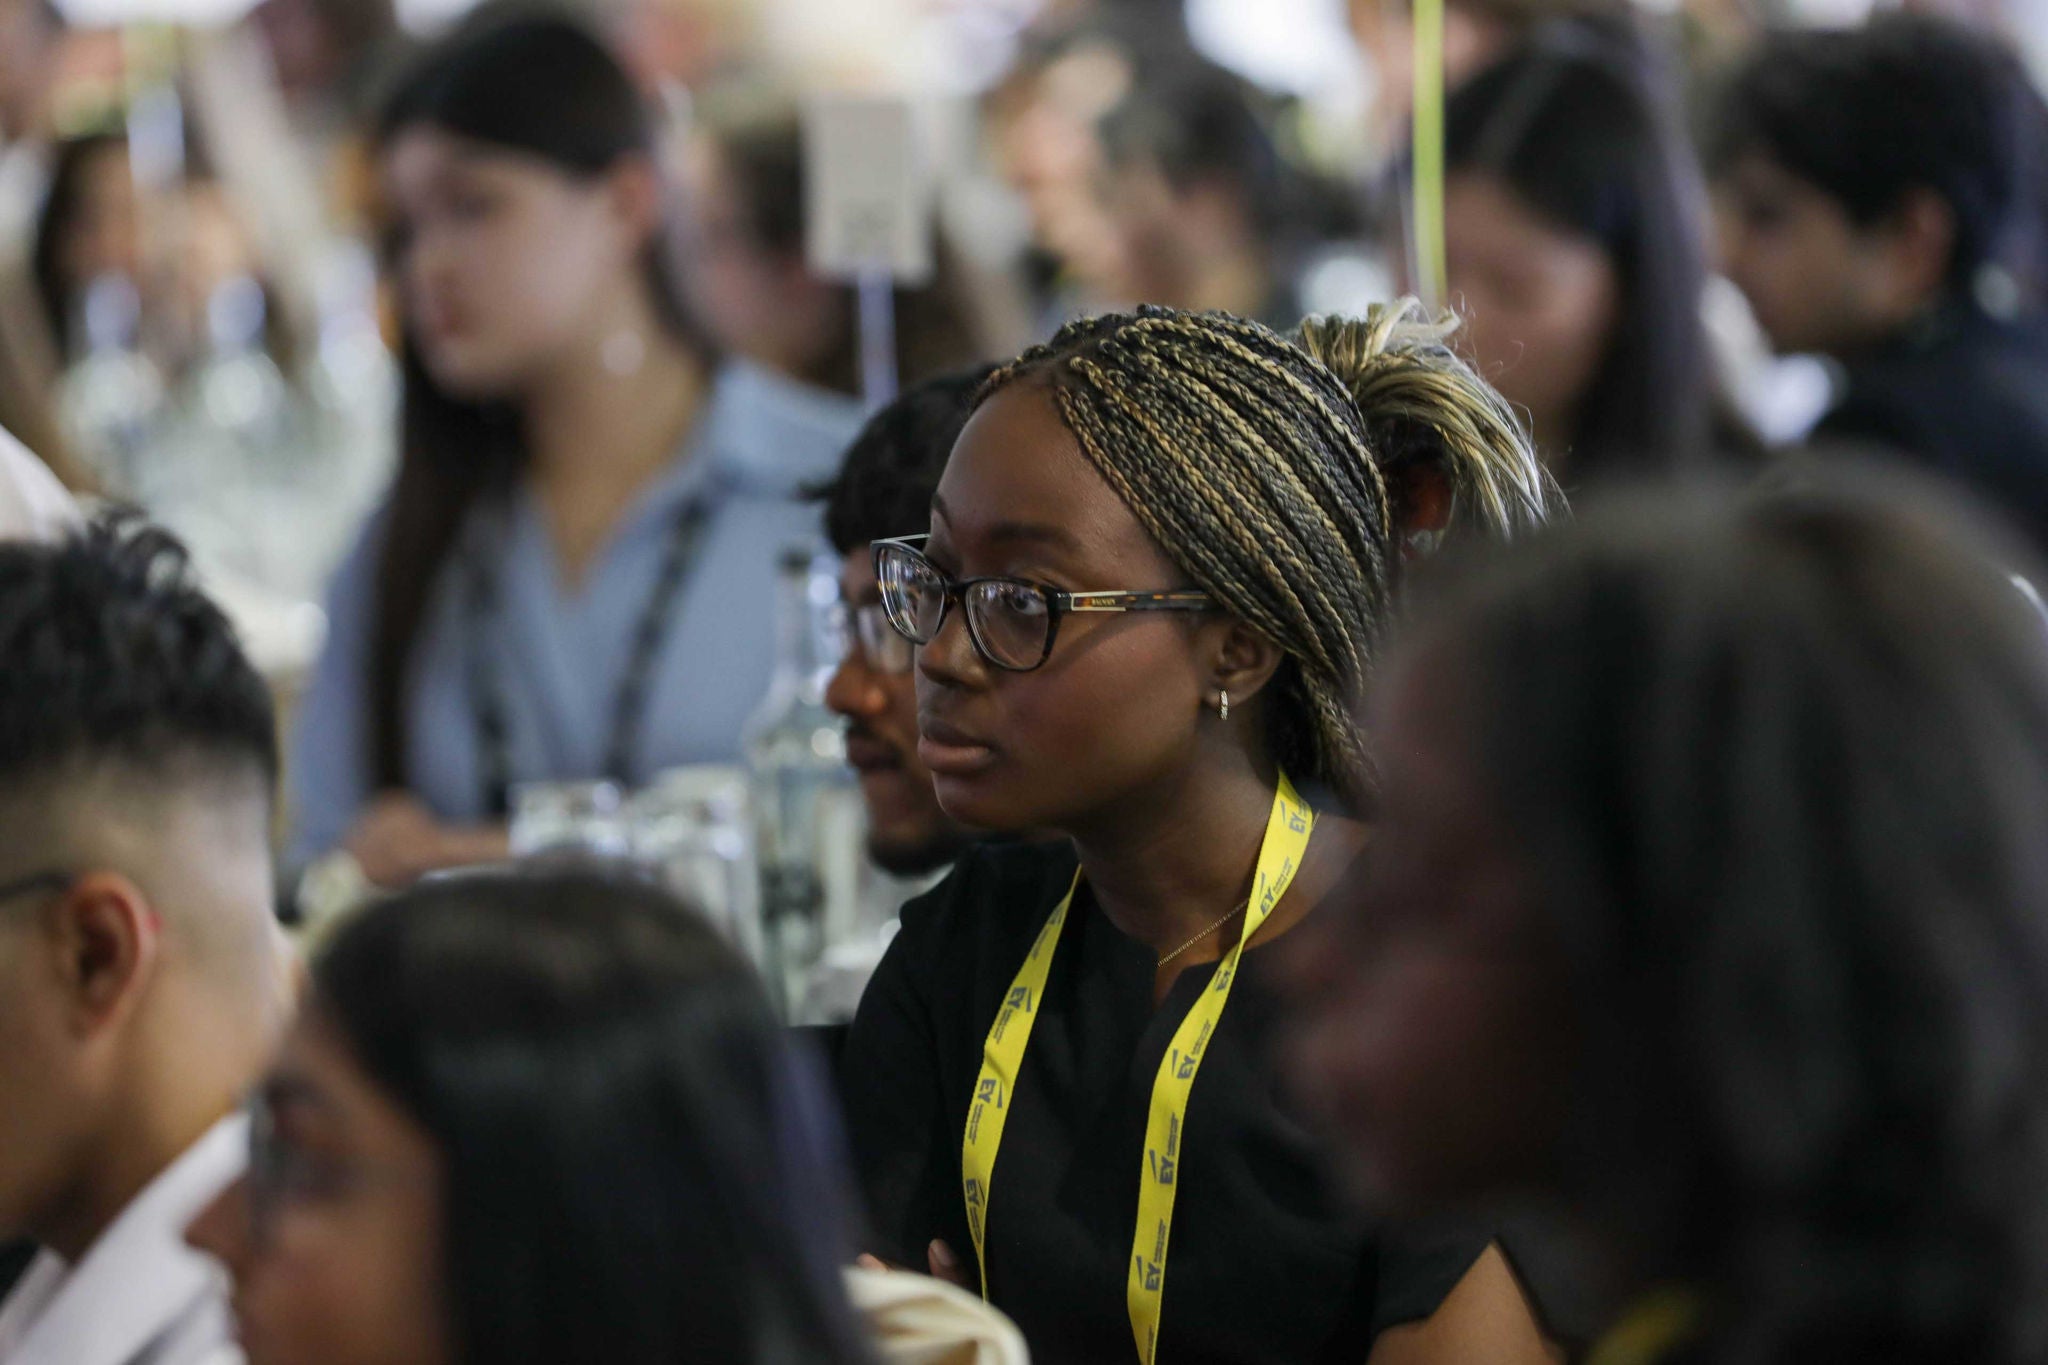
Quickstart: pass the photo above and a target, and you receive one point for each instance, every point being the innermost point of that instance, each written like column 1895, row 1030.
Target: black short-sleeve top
column 1265, row 1265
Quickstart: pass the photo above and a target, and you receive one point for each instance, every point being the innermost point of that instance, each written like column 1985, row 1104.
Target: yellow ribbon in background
column 1428, row 154
column 1287, row 834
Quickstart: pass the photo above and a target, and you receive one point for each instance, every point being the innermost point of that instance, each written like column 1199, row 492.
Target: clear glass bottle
column 349, row 387
column 111, row 399
column 805, row 801
column 237, row 492
column 352, row 381
column 694, row 827
column 353, row 376
column 237, row 387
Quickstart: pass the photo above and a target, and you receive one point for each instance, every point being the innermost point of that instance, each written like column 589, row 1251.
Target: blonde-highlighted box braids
column 1248, row 460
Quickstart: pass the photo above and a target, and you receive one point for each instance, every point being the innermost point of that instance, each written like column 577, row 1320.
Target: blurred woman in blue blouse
column 573, row 575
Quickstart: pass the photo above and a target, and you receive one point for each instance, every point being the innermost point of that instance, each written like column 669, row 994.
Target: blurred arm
column 1486, row 1318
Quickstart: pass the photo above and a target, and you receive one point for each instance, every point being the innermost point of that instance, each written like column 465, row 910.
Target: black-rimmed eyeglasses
column 284, row 1174
column 866, row 628
column 1012, row 621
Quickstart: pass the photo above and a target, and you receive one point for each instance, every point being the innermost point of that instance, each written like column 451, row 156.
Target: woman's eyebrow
column 1016, row 532
column 1032, row 533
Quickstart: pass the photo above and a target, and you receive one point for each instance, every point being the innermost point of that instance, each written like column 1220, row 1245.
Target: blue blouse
column 556, row 653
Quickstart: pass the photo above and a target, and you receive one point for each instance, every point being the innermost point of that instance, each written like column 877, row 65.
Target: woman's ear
column 1245, row 661
column 1422, row 497
column 634, row 190
column 1919, row 241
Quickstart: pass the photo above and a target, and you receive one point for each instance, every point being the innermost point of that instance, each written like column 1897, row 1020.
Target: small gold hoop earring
column 1222, row 704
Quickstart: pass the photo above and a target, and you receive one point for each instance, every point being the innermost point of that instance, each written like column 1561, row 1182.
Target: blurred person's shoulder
column 140, row 1295
column 33, row 504
column 772, row 435
column 1963, row 393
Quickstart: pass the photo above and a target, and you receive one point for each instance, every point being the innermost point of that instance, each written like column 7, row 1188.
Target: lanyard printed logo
column 1287, row 836
column 1164, row 1163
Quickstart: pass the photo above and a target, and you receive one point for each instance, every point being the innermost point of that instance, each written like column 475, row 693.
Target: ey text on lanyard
column 1002, row 1055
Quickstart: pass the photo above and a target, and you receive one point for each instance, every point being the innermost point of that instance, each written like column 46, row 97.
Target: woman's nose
column 950, row 657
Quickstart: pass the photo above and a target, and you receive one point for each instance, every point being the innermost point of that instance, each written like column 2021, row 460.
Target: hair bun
column 1421, row 404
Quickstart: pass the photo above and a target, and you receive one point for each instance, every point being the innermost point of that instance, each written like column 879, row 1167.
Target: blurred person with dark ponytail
column 1877, row 188
column 530, row 1118
column 33, row 40
column 1157, row 560
column 90, row 229
column 573, row 577
column 1575, row 242
column 1711, row 910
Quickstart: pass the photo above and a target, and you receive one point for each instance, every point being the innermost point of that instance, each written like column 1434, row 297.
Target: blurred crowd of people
column 1494, row 819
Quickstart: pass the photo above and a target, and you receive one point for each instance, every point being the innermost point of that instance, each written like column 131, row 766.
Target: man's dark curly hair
column 111, row 653
column 885, row 485
column 1910, row 101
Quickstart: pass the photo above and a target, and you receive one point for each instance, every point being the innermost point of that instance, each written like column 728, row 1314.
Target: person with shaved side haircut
column 143, row 979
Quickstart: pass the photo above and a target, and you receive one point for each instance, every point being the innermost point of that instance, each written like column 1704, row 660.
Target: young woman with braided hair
column 1159, row 555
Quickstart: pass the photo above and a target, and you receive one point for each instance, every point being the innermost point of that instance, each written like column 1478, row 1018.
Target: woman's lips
column 951, row 752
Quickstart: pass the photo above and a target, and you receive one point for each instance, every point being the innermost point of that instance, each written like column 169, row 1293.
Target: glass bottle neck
column 804, row 646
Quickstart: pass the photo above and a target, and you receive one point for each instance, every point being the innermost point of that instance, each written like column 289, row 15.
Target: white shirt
column 139, row 1296
column 913, row 1320
column 33, row 505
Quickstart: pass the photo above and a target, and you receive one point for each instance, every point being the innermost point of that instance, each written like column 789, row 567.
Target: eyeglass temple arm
column 1135, row 601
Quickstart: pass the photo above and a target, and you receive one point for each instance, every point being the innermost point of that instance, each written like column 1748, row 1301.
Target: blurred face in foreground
column 1435, row 1024
column 334, row 1237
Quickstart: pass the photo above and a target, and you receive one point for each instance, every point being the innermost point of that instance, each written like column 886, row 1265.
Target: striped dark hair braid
column 1246, row 460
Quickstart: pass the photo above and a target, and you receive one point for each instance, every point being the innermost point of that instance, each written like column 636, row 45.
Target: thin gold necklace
column 1204, row 934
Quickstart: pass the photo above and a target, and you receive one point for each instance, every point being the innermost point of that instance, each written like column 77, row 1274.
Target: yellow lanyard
column 1287, row 835
column 1654, row 1327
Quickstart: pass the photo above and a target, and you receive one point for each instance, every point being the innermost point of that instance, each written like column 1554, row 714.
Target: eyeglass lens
column 881, row 644
column 263, row 1176
column 913, row 593
column 1010, row 620
column 281, row 1173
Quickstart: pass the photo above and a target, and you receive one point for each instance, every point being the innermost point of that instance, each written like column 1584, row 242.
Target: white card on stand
column 867, row 188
